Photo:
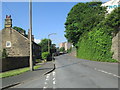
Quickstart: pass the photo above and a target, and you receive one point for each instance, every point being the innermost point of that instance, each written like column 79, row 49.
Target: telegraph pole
column 30, row 20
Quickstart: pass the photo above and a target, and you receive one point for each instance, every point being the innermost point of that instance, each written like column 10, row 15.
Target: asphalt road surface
column 71, row 72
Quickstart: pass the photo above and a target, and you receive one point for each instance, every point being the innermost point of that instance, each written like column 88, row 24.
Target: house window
column 8, row 44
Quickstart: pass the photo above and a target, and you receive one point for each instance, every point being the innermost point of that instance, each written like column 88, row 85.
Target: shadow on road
column 64, row 66
column 42, row 69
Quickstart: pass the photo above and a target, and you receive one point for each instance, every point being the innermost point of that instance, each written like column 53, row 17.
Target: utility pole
column 30, row 22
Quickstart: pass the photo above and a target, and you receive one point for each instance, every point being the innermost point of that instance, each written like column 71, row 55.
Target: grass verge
column 17, row 71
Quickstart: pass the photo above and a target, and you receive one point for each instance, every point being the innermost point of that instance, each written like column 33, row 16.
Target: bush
column 45, row 55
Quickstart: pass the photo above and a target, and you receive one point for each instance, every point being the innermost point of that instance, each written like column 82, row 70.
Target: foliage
column 53, row 48
column 4, row 53
column 69, row 50
column 44, row 44
column 19, row 29
column 82, row 18
column 91, row 31
column 62, row 49
column 113, row 20
column 45, row 55
column 96, row 44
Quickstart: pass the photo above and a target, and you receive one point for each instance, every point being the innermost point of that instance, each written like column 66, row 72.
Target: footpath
column 27, row 76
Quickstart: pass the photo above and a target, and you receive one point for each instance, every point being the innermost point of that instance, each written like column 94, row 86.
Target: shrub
column 45, row 55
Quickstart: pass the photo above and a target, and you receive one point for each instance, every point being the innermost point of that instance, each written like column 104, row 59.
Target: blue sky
column 48, row 17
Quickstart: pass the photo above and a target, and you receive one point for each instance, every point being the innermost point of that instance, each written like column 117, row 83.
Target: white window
column 8, row 44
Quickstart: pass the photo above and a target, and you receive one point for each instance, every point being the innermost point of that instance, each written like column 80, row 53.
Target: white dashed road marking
column 47, row 79
column 107, row 72
column 54, row 82
column 53, row 78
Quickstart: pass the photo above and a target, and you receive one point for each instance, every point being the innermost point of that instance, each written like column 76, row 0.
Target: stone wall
column 19, row 43
column 115, row 48
column 12, row 63
column 73, row 52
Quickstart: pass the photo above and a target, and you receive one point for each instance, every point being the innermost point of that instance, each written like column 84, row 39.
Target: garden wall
column 11, row 63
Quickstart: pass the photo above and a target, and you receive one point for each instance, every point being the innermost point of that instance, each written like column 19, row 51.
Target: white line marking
column 53, row 78
column 53, row 82
column 47, row 76
column 45, row 82
column 53, row 73
column 107, row 72
column 47, row 79
column 44, row 87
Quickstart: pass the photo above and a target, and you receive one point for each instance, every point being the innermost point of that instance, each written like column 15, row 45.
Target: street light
column 49, row 47
column 48, row 41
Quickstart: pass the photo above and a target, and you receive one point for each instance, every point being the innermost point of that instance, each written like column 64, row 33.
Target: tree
column 53, row 48
column 62, row 49
column 19, row 29
column 44, row 44
column 113, row 20
column 82, row 18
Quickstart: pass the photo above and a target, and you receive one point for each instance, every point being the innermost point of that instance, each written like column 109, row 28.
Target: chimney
column 8, row 22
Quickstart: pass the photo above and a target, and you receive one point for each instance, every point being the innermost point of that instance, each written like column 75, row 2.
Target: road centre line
column 107, row 72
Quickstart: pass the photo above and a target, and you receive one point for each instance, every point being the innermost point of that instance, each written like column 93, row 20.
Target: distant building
column 62, row 45
column 66, row 45
column 16, row 43
column 111, row 5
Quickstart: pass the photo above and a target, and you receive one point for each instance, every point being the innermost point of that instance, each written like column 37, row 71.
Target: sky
column 48, row 17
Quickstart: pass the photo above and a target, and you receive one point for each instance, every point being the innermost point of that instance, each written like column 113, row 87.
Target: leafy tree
column 113, row 20
column 96, row 44
column 82, row 18
column 62, row 49
column 53, row 48
column 19, row 29
column 44, row 44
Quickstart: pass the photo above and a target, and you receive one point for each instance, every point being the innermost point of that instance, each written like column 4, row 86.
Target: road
column 71, row 72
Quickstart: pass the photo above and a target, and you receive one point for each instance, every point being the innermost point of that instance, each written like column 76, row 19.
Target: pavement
column 72, row 72
column 27, row 76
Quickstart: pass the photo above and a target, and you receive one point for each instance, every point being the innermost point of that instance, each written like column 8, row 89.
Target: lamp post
column 49, row 41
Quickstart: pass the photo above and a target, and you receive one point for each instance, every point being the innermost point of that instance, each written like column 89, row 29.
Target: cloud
column 37, row 40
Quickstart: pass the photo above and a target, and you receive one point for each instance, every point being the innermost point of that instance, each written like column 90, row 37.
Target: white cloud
column 37, row 40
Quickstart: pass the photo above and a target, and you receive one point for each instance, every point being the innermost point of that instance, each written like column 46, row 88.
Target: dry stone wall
column 115, row 48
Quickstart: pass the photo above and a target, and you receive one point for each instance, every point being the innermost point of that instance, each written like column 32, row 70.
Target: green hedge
column 45, row 55
column 96, row 44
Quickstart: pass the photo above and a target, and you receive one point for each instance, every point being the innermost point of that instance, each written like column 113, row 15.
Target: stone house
column 16, row 43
